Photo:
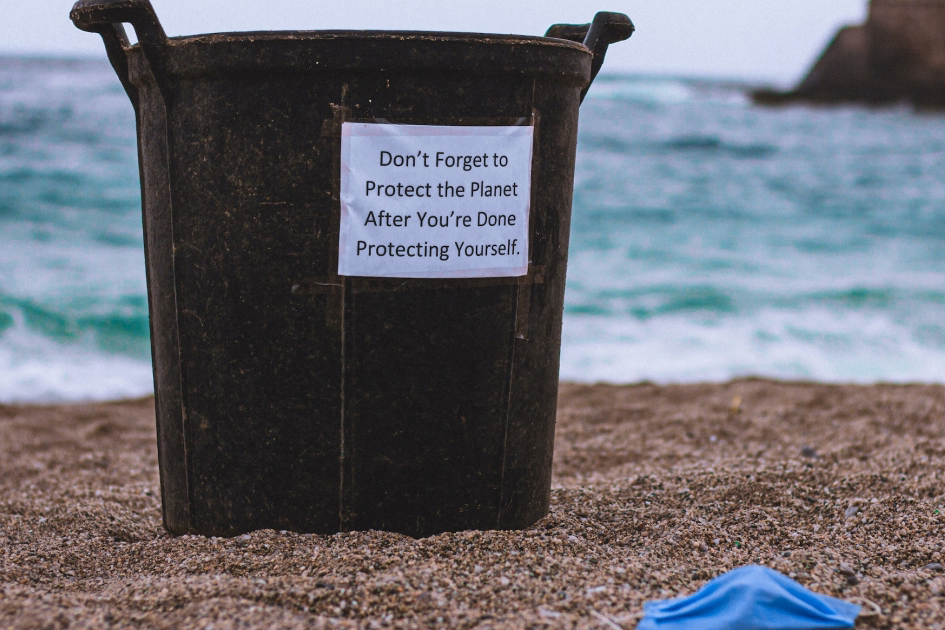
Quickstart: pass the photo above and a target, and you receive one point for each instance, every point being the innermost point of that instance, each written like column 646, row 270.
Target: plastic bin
column 289, row 396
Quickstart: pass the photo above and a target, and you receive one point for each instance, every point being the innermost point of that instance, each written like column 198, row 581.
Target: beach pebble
column 846, row 569
column 810, row 452
column 937, row 587
column 851, row 511
column 934, row 566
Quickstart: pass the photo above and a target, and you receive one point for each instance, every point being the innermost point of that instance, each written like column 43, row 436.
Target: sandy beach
column 657, row 489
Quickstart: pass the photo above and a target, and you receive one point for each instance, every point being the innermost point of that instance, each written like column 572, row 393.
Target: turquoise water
column 711, row 239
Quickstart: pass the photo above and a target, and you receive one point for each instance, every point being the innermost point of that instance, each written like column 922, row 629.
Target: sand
column 656, row 491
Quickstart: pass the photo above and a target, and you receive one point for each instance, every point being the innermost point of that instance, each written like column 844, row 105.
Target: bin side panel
column 159, row 262
column 262, row 366
column 427, row 366
column 426, row 392
column 534, row 387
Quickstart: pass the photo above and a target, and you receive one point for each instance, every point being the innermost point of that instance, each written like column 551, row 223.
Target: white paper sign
column 424, row 201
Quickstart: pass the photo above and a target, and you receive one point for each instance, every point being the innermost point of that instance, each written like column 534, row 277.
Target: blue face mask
column 750, row 598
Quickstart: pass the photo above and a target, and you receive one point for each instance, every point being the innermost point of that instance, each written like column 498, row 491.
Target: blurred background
column 711, row 238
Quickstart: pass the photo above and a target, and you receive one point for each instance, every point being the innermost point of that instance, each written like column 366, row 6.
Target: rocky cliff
column 897, row 56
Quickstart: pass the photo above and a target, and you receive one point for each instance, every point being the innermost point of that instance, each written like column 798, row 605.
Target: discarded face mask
column 750, row 598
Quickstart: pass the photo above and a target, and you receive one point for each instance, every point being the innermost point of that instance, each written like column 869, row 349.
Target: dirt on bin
column 657, row 489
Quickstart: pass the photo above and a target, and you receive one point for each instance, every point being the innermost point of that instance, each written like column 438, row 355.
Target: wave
column 641, row 90
column 706, row 145
column 37, row 369
column 814, row 344
column 667, row 91
column 125, row 332
column 73, row 353
column 747, row 297
column 715, row 145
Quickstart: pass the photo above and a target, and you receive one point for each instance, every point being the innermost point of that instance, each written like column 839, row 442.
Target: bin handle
column 106, row 17
column 606, row 29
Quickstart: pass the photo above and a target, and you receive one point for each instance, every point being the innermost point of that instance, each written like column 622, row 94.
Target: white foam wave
column 36, row 369
column 655, row 90
column 812, row 344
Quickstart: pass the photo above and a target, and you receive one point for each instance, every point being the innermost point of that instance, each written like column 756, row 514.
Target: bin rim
column 344, row 50
column 378, row 34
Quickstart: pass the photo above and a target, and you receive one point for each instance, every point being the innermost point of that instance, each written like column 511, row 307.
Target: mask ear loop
column 875, row 610
column 607, row 621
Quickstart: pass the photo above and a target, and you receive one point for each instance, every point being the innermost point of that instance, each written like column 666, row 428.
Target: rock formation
column 897, row 56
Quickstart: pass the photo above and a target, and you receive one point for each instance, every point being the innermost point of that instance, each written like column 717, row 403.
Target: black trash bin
column 298, row 391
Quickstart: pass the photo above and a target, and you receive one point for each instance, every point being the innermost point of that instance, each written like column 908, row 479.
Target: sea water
column 710, row 239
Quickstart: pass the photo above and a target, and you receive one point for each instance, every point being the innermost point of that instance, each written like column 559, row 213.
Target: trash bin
column 319, row 366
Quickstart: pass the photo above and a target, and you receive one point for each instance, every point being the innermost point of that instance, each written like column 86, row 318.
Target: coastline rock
column 897, row 56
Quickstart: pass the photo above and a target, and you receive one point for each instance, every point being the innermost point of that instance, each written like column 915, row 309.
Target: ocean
column 711, row 239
